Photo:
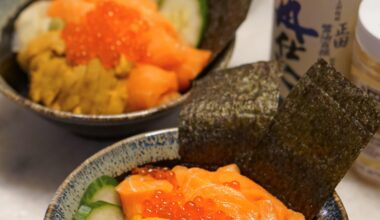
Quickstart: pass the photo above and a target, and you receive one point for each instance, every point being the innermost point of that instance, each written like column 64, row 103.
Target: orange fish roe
column 157, row 173
column 200, row 194
column 233, row 184
column 172, row 206
column 169, row 206
column 106, row 32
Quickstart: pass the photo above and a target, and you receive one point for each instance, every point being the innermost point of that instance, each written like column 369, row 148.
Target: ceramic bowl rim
column 54, row 201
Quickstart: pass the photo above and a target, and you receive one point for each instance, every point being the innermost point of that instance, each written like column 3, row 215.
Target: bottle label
column 302, row 34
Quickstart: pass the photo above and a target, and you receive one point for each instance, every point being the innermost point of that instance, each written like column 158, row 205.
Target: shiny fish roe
column 106, row 32
column 169, row 206
column 233, row 184
column 173, row 205
column 157, row 173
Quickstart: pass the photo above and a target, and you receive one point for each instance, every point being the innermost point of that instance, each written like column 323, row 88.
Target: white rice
column 32, row 22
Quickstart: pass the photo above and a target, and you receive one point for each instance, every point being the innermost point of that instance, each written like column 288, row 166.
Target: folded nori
column 302, row 153
column 224, row 18
column 313, row 140
column 224, row 104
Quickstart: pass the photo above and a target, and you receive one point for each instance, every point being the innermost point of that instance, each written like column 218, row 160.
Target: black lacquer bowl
column 14, row 85
column 118, row 159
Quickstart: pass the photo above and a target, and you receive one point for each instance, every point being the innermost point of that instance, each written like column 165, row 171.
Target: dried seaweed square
column 225, row 108
column 313, row 140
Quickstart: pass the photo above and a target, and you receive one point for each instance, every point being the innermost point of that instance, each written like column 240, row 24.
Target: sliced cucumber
column 158, row 2
column 99, row 211
column 56, row 24
column 102, row 189
column 189, row 17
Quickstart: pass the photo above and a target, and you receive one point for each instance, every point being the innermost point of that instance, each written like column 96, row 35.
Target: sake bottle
column 305, row 30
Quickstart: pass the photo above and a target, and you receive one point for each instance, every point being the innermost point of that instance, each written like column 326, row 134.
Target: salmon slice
column 148, row 86
column 70, row 10
column 268, row 205
column 201, row 183
column 245, row 200
column 144, row 5
column 75, row 10
column 162, row 49
column 194, row 61
column 135, row 189
column 173, row 54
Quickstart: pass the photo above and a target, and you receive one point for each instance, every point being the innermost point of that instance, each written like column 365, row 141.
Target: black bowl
column 14, row 85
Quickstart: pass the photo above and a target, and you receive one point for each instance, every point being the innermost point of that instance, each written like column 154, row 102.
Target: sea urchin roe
column 171, row 206
column 106, row 32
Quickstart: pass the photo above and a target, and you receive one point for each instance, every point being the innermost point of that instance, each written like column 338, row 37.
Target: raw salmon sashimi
column 149, row 86
column 139, row 188
column 197, row 193
column 172, row 54
column 75, row 10
column 70, row 10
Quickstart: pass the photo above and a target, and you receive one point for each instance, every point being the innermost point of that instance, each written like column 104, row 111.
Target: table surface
column 36, row 156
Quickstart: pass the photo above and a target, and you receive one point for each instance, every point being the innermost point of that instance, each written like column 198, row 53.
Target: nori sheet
column 224, row 104
column 313, row 140
column 302, row 153
column 224, row 18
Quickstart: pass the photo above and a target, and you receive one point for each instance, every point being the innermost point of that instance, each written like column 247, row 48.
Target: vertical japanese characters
column 307, row 30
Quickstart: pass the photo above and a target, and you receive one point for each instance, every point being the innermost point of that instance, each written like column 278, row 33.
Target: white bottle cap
column 368, row 28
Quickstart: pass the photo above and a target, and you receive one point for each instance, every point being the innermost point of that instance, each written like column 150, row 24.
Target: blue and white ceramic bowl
column 128, row 154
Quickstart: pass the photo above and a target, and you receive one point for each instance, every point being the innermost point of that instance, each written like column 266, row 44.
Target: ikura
column 233, row 184
column 106, row 32
column 171, row 206
column 157, row 173
column 200, row 194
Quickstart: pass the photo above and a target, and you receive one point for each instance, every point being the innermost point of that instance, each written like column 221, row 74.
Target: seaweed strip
column 224, row 18
column 313, row 140
column 224, row 104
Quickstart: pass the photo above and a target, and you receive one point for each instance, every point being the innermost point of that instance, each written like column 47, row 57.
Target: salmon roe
column 157, row 173
column 233, row 184
column 106, row 32
column 169, row 206
column 172, row 205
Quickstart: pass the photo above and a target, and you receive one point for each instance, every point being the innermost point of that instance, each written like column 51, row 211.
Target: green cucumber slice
column 158, row 2
column 102, row 189
column 189, row 17
column 99, row 211
column 56, row 24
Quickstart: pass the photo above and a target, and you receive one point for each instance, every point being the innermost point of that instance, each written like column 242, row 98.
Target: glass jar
column 365, row 72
